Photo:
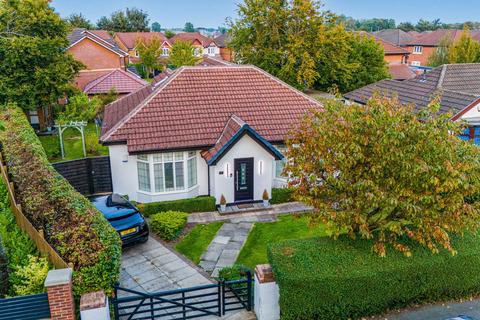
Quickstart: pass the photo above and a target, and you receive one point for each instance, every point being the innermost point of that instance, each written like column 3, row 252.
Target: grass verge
column 194, row 244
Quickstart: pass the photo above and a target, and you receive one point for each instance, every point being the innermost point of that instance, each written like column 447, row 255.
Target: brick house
column 127, row 41
column 203, row 45
column 201, row 131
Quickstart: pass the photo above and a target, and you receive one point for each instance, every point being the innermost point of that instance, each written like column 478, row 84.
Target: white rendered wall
column 246, row 147
column 266, row 300
column 472, row 113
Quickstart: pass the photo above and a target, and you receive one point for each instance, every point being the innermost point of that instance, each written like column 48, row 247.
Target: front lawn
column 287, row 227
column 196, row 242
column 73, row 144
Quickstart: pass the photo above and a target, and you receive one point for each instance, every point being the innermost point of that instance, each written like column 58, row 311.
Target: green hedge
column 168, row 225
column 281, row 195
column 79, row 232
column 199, row 204
column 3, row 271
column 326, row 279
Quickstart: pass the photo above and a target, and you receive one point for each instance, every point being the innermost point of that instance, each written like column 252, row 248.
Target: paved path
column 151, row 267
column 437, row 311
column 253, row 216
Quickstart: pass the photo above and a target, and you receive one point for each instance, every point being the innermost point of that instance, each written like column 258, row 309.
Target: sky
column 212, row 13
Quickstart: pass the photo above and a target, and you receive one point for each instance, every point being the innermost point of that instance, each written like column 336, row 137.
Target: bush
column 235, row 272
column 326, row 279
column 3, row 271
column 168, row 225
column 199, row 204
column 281, row 195
column 77, row 231
column 31, row 277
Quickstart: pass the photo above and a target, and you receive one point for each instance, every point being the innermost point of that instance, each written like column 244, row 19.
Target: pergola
column 80, row 126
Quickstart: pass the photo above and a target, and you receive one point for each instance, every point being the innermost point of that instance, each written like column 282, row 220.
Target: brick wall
column 423, row 57
column 60, row 296
column 94, row 56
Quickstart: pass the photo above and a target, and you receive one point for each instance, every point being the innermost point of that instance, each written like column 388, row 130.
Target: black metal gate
column 32, row 307
column 209, row 300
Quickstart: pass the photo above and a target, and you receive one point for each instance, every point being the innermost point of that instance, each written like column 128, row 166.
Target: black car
column 123, row 216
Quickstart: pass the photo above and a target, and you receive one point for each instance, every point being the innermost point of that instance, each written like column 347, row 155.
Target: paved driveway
column 152, row 267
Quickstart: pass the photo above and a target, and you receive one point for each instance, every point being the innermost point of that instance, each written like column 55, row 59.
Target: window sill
column 168, row 192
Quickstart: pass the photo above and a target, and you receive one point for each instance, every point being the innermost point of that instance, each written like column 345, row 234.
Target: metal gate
column 209, row 300
column 32, row 307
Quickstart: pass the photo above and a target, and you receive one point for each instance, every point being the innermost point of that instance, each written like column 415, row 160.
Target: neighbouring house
column 203, row 45
column 123, row 82
column 128, row 41
column 397, row 58
column 225, row 52
column 216, row 130
column 457, row 86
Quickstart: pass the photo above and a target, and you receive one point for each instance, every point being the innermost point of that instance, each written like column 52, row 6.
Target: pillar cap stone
column 93, row 300
column 58, row 277
column 264, row 273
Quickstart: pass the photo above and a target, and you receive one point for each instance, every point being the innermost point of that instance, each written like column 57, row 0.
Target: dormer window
column 165, row 52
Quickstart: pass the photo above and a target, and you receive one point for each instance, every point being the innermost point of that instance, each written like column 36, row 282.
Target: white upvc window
column 280, row 164
column 165, row 52
column 417, row 49
column 415, row 63
column 211, row 51
column 167, row 172
column 196, row 52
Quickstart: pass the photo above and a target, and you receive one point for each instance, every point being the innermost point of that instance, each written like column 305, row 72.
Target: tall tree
column 78, row 20
column 465, row 49
column 406, row 26
column 189, row 27
column 169, row 34
column 156, row 27
column 378, row 172
column 130, row 20
column 35, row 69
column 441, row 54
column 182, row 54
column 150, row 52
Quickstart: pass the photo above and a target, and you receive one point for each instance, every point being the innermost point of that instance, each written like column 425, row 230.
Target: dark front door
column 243, row 179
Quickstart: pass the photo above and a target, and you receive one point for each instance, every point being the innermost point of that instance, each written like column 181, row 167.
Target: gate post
column 267, row 294
column 249, row 293
column 60, row 296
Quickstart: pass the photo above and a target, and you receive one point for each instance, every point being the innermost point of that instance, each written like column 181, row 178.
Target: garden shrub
column 325, row 279
column 3, row 271
column 235, row 272
column 168, row 225
column 281, row 195
column 31, row 277
column 77, row 231
column 199, row 204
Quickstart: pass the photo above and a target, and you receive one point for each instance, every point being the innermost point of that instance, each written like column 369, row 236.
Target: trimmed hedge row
column 199, row 204
column 326, row 279
column 281, row 195
column 79, row 232
column 168, row 225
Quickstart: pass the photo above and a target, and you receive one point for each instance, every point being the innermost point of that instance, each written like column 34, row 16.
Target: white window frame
column 211, row 51
column 415, row 63
column 417, row 49
column 165, row 52
column 162, row 159
column 282, row 149
column 196, row 52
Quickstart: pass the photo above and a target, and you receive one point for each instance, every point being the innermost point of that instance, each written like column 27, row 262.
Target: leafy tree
column 465, row 49
column 35, row 69
column 424, row 25
column 130, row 20
column 189, row 27
column 78, row 20
column 169, row 34
column 156, row 27
column 406, row 26
column 441, row 54
column 150, row 53
column 378, row 172
column 222, row 30
column 182, row 54
column 80, row 107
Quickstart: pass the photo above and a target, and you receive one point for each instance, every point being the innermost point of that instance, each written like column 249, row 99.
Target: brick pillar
column 267, row 294
column 94, row 306
column 60, row 296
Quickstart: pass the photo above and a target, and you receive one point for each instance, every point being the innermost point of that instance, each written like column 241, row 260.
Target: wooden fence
column 36, row 235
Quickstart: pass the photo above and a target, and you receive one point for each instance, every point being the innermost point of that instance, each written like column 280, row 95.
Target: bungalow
column 457, row 85
column 225, row 52
column 216, row 130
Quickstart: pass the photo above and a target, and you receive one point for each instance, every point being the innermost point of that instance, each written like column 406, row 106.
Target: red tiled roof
column 191, row 107
column 129, row 39
column 104, row 34
column 213, row 61
column 234, row 124
column 192, row 37
column 434, row 38
column 84, row 77
column 122, row 81
column 388, row 47
column 401, row 72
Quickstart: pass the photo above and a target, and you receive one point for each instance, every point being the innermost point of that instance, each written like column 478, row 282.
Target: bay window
column 168, row 171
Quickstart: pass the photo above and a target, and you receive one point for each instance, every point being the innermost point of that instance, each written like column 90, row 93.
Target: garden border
column 36, row 235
